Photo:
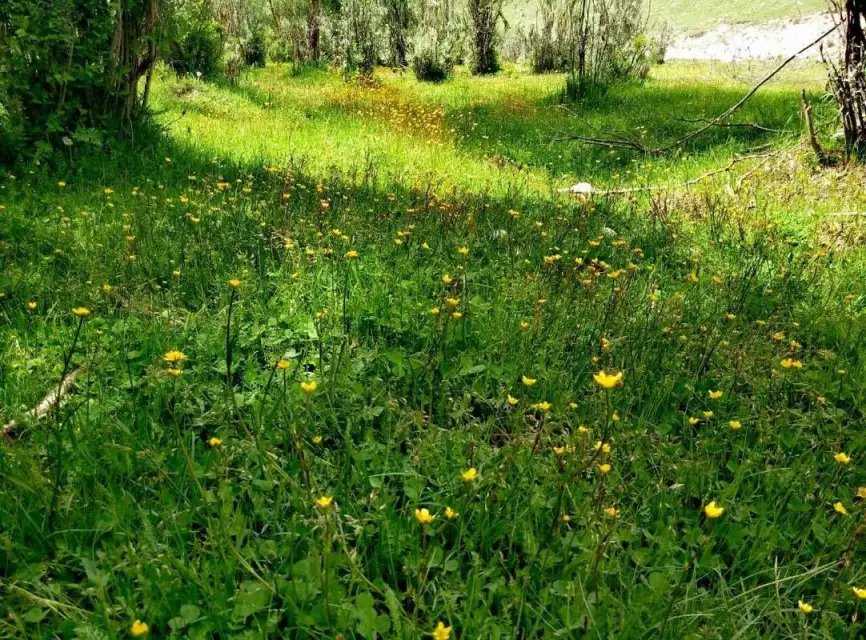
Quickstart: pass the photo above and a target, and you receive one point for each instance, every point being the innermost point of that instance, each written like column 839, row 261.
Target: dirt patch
column 734, row 42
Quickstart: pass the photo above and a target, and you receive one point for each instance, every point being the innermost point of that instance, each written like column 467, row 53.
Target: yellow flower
column 861, row 492
column 708, row 414
column 842, row 458
column 450, row 513
column 860, row 592
column 463, row 251
column 215, row 442
column 317, row 439
column 452, row 302
column 447, row 279
column 713, row 511
column 805, row 607
column 282, row 364
column 31, row 305
column 604, row 446
column 139, row 629
column 351, row 254
column 613, row 512
column 544, row 407
column 174, row 372
column 511, row 400
column 715, row 395
column 81, row 312
column 469, row 475
column 735, row 425
column 790, row 363
column 524, row 325
column 174, row 356
column 234, row 283
column 434, row 311
column 457, row 315
column 423, row 516
column 526, row 380
column 324, row 502
column 606, row 380
column 604, row 468
column 694, row 421
column 309, row 387
column 838, row 507
column 441, row 632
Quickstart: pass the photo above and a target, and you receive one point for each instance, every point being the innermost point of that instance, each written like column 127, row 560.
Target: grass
column 414, row 300
column 694, row 16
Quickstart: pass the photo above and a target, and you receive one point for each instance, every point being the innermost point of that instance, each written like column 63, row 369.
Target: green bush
column 255, row 50
column 69, row 65
column 430, row 67
column 197, row 41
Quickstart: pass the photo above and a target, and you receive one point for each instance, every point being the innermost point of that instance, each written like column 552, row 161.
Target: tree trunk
column 314, row 28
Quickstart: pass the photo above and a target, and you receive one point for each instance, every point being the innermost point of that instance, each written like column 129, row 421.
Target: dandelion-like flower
column 713, row 510
column 81, row 312
column 139, row 629
column 805, row 607
column 423, row 516
column 441, row 632
column 324, row 502
column 469, row 475
column 608, row 380
column 309, row 387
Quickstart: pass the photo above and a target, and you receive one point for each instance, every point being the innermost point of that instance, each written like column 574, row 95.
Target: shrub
column 430, row 67
column 196, row 45
column 71, row 64
column 255, row 50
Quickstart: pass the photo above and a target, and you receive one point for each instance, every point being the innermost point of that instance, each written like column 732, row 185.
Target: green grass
column 700, row 15
column 117, row 506
column 691, row 16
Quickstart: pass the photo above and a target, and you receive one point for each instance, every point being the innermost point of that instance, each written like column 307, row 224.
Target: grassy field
column 692, row 16
column 346, row 364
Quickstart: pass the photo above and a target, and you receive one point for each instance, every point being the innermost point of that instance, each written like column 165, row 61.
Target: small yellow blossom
column 317, row 439
column 174, row 372
column 604, row 468
column 805, row 607
column 463, row 251
column 456, row 315
column 612, row 512
column 447, row 279
column 234, row 283
column 838, row 507
column 215, row 442
column 860, row 592
column 324, row 502
column 842, row 458
column 713, row 511
column 526, row 380
column 441, row 632
column 450, row 513
column 511, row 400
column 174, row 356
column 282, row 364
column 544, row 407
column 423, row 516
column 735, row 425
column 309, row 386
column 351, row 254
column 452, row 302
column 81, row 312
column 715, row 395
column 790, row 363
column 861, row 493
column 139, row 629
column 608, row 381
column 469, row 475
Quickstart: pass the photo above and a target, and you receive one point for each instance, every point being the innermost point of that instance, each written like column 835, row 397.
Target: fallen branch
column 585, row 189
column 714, row 122
column 51, row 401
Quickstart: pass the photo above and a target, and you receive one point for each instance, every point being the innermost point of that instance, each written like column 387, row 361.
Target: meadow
column 346, row 363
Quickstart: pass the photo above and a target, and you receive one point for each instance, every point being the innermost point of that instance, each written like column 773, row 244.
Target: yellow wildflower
column 842, row 458
column 735, row 425
column 608, row 381
column 138, row 629
column 324, row 502
column 838, row 507
column 805, row 607
column 469, row 475
column 309, row 387
column 81, row 312
column 441, row 632
column 860, row 592
column 215, row 442
column 713, row 511
column 423, row 516
column 450, row 513
column 526, row 380
column 715, row 395
column 174, row 356
column 234, row 283
column 604, row 468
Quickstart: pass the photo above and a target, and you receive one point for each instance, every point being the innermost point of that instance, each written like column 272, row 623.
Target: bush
column 196, row 45
column 255, row 50
column 71, row 64
column 430, row 67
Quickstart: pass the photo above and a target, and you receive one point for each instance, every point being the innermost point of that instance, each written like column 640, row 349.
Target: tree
column 484, row 16
column 848, row 79
column 69, row 65
column 398, row 18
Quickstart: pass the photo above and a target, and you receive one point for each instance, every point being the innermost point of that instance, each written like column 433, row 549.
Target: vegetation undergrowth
column 346, row 363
